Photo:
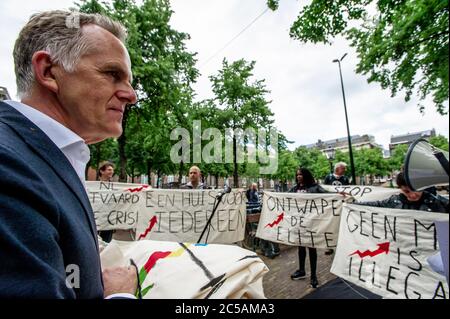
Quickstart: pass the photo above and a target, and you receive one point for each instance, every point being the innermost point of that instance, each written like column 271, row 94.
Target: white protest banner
column 363, row 193
column 116, row 205
column 385, row 251
column 170, row 215
column 301, row 219
column 181, row 216
column 169, row 270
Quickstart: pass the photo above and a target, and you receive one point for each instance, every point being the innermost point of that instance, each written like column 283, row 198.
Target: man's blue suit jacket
column 47, row 227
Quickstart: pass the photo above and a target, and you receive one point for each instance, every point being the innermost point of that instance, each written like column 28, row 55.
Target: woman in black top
column 306, row 184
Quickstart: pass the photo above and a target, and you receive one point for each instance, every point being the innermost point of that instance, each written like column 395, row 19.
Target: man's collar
column 58, row 133
column 190, row 184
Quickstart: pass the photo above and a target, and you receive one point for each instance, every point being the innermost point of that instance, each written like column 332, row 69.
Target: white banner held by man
column 385, row 251
column 190, row 271
column 301, row 219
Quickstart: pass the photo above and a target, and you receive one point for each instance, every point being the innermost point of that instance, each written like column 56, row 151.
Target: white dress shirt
column 72, row 145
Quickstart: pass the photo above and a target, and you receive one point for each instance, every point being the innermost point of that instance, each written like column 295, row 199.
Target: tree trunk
column 149, row 172
column 235, row 170
column 122, row 142
column 180, row 173
column 86, row 170
column 217, row 180
column 157, row 179
column 97, row 160
column 132, row 173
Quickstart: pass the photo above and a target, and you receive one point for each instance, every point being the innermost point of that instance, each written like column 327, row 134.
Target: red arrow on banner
column 383, row 248
column 153, row 221
column 137, row 189
column 277, row 221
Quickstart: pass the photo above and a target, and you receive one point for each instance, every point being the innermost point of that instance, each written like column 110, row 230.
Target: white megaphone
column 426, row 166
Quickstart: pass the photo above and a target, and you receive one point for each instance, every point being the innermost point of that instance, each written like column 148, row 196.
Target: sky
column 304, row 84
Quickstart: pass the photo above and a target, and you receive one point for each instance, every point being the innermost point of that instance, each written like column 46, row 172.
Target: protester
column 46, row 221
column 408, row 199
column 194, row 179
column 337, row 178
column 106, row 172
column 306, row 184
column 252, row 193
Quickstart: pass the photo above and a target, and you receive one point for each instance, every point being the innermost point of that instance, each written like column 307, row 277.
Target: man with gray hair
column 337, row 178
column 74, row 81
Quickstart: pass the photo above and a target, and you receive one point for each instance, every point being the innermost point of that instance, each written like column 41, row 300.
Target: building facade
column 358, row 142
column 409, row 138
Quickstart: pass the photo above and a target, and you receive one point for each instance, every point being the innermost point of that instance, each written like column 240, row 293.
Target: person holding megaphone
column 409, row 199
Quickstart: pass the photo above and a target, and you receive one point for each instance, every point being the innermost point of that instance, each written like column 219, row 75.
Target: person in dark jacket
column 337, row 178
column 306, row 184
column 252, row 194
column 194, row 179
column 408, row 199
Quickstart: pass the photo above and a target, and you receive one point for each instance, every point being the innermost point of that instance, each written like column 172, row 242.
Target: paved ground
column 277, row 282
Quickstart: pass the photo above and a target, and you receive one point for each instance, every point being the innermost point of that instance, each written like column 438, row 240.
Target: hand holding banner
column 169, row 270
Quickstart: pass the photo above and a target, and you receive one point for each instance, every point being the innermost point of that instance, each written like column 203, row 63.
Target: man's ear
column 42, row 67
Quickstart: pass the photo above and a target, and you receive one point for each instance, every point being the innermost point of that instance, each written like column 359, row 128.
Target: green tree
column 243, row 101
column 252, row 170
column 163, row 71
column 369, row 161
column 302, row 156
column 106, row 150
column 395, row 162
column 210, row 116
column 440, row 141
column 314, row 160
column 287, row 166
column 341, row 156
column 149, row 148
column 401, row 44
